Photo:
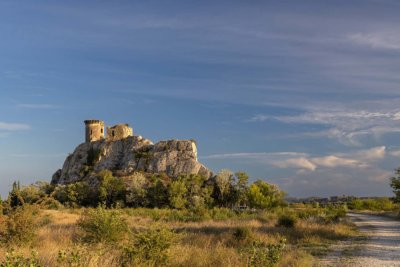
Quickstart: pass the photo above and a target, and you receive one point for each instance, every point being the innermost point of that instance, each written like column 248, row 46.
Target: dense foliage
column 395, row 184
column 187, row 192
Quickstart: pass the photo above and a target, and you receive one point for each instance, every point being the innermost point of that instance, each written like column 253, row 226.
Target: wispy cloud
column 395, row 153
column 13, row 126
column 349, row 123
column 379, row 40
column 303, row 161
column 37, row 106
column 256, row 155
column 300, row 163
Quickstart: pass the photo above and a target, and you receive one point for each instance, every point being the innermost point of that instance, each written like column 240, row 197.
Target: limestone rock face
column 131, row 154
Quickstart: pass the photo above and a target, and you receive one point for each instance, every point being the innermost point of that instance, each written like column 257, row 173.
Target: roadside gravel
column 380, row 248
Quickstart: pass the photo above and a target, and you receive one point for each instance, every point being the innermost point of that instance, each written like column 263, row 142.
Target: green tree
column 177, row 194
column 15, row 198
column 395, row 184
column 263, row 195
column 241, row 188
column 198, row 193
column 76, row 194
column 1, row 206
column 157, row 193
column 110, row 189
column 224, row 185
column 135, row 190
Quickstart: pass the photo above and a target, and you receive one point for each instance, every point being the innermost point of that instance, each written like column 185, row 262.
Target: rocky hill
column 131, row 154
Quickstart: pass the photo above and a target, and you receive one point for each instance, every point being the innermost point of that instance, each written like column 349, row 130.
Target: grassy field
column 282, row 237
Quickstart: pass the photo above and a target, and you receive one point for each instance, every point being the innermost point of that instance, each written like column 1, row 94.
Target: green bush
column 242, row 236
column 102, row 225
column 14, row 259
column 20, row 226
column 45, row 220
column 73, row 257
column 222, row 214
column 93, row 156
column 50, row 203
column 260, row 254
column 150, row 246
column 376, row 204
column 32, row 193
column 287, row 220
column 1, row 206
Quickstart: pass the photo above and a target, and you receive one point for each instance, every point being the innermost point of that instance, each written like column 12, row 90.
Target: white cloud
column 379, row 40
column 305, row 162
column 348, row 123
column 395, row 153
column 300, row 163
column 335, row 161
column 261, row 155
column 13, row 126
column 375, row 153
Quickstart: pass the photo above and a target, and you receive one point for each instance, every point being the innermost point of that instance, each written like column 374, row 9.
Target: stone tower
column 94, row 130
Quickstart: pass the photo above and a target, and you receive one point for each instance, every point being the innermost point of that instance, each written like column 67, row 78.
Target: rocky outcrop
column 131, row 154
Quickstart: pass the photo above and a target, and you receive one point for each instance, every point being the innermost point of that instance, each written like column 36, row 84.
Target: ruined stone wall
column 94, row 130
column 118, row 132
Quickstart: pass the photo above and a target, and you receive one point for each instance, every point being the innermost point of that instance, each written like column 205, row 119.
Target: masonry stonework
column 118, row 132
column 94, row 130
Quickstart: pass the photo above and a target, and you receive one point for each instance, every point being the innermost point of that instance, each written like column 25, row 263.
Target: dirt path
column 380, row 248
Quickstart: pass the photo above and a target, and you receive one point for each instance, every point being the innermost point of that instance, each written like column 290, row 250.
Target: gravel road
column 380, row 248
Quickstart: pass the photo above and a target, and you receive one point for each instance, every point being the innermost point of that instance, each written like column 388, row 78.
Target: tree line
column 188, row 191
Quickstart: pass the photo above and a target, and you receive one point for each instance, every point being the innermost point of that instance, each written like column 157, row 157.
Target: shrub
column 75, row 194
column 287, row 220
column 20, row 226
column 377, row 204
column 93, row 156
column 32, row 193
column 14, row 259
column 260, row 254
column 102, row 225
column 45, row 220
column 334, row 214
column 74, row 257
column 242, row 236
column 222, row 213
column 50, row 203
column 150, row 246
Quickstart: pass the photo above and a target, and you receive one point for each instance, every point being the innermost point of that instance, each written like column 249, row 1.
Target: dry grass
column 208, row 243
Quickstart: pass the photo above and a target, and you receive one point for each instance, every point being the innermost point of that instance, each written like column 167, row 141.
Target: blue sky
column 304, row 94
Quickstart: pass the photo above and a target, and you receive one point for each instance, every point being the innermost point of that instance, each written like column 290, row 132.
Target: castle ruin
column 94, row 131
